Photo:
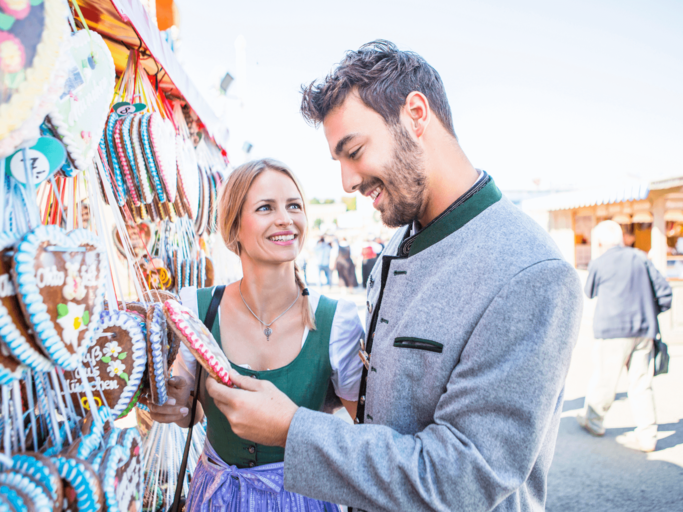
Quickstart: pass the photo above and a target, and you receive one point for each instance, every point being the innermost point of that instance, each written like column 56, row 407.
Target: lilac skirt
column 219, row 487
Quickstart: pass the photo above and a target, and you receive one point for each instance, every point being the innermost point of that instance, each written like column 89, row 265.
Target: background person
column 322, row 256
column 345, row 266
column 624, row 326
column 313, row 342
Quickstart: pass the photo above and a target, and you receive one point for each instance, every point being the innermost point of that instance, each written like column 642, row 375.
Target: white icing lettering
column 89, row 274
column 49, row 277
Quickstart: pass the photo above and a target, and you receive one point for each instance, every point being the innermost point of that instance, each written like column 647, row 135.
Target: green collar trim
column 453, row 220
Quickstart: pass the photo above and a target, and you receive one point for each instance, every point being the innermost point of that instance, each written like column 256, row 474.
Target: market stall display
column 86, row 142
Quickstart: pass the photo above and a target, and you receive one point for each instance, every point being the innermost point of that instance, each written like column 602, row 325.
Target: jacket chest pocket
column 418, row 344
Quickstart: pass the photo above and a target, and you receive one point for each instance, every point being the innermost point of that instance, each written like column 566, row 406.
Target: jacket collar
column 483, row 194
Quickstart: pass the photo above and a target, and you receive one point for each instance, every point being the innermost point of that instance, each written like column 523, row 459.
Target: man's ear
column 419, row 114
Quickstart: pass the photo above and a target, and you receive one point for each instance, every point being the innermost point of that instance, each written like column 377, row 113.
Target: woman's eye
column 263, row 208
column 295, row 206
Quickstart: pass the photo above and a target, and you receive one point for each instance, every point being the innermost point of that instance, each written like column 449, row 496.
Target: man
column 472, row 317
column 631, row 293
column 322, row 256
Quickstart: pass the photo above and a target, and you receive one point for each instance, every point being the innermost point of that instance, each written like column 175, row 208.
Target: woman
column 271, row 328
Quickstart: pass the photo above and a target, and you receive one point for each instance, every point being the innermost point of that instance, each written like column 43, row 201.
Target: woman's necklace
column 267, row 331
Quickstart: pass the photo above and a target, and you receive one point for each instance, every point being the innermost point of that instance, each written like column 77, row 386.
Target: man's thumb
column 243, row 381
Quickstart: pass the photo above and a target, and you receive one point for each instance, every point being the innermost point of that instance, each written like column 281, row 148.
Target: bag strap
column 209, row 320
column 658, row 334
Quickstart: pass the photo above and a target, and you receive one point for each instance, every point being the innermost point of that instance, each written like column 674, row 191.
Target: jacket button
column 356, row 421
column 252, row 449
column 369, row 307
column 252, row 464
column 362, row 400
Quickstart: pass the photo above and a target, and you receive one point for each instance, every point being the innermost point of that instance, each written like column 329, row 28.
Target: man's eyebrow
column 343, row 142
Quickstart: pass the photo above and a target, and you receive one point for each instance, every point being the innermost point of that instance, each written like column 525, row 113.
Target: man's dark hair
column 383, row 76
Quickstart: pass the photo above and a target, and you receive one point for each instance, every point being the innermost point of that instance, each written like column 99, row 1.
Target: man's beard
column 404, row 182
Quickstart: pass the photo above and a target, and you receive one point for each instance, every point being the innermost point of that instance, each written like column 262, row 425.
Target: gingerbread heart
column 121, row 474
column 197, row 338
column 114, row 365
column 35, row 493
column 43, row 471
column 61, row 283
column 162, row 139
column 81, row 112
column 17, row 345
column 32, row 69
column 82, row 488
column 188, row 176
column 157, row 353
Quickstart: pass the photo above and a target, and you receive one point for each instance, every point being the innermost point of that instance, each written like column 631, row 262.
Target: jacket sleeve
column 490, row 424
column 660, row 287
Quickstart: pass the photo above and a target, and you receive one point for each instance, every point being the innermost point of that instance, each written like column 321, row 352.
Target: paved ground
column 597, row 474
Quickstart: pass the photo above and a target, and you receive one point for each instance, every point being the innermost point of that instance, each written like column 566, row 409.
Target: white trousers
column 609, row 358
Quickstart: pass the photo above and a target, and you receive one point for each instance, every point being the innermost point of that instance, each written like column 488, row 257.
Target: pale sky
column 579, row 93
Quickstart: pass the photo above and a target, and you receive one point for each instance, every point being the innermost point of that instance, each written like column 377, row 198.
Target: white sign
column 37, row 164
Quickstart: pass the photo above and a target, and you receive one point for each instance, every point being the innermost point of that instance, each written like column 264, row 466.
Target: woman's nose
column 284, row 218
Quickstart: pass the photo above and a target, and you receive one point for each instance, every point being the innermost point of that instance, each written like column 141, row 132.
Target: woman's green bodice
column 305, row 381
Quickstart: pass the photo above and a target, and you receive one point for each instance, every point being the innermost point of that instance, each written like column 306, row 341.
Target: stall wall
column 561, row 231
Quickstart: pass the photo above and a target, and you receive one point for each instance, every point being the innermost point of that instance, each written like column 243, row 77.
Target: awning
column 125, row 24
column 584, row 198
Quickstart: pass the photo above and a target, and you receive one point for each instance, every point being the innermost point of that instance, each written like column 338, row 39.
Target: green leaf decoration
column 86, row 318
column 124, row 376
column 106, row 359
column 62, row 310
column 123, row 355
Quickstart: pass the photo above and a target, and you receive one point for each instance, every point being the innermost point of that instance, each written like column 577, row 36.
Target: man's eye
column 355, row 153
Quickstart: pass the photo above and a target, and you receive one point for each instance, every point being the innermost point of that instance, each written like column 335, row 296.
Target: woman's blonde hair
column 230, row 206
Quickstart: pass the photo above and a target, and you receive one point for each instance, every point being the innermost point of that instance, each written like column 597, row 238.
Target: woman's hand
column 177, row 407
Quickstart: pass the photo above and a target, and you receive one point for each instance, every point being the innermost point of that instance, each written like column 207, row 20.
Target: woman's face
column 273, row 220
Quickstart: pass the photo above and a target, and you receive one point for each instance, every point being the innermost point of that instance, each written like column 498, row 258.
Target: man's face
column 382, row 162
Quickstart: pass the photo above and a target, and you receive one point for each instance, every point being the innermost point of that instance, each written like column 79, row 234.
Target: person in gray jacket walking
column 472, row 317
column 631, row 293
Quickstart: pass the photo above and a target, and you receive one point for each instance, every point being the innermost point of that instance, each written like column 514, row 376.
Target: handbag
column 208, row 322
column 661, row 354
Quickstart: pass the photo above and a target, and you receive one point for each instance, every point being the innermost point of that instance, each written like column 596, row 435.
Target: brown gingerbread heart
column 114, row 364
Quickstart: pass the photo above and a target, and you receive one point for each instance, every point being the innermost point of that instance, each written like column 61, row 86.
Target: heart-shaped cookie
column 41, row 469
column 197, row 338
column 39, row 499
column 31, row 69
column 81, row 112
column 61, row 283
column 188, row 176
column 162, row 139
column 82, row 488
column 121, row 474
column 157, row 353
column 114, row 364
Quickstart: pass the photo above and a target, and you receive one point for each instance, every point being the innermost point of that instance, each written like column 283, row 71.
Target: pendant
column 267, row 331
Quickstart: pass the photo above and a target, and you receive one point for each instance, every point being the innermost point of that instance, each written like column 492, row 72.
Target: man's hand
column 257, row 411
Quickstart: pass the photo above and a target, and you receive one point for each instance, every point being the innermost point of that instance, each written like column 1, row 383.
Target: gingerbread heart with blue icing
column 60, row 279
column 17, row 345
column 121, row 473
column 114, row 365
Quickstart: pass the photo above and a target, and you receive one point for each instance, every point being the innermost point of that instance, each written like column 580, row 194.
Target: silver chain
column 267, row 331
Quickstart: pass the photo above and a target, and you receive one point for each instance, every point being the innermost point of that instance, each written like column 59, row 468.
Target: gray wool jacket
column 473, row 321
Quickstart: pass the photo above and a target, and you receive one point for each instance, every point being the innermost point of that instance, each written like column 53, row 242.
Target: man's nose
column 351, row 180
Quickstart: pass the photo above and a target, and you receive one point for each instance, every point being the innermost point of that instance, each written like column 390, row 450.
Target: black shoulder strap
column 209, row 320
